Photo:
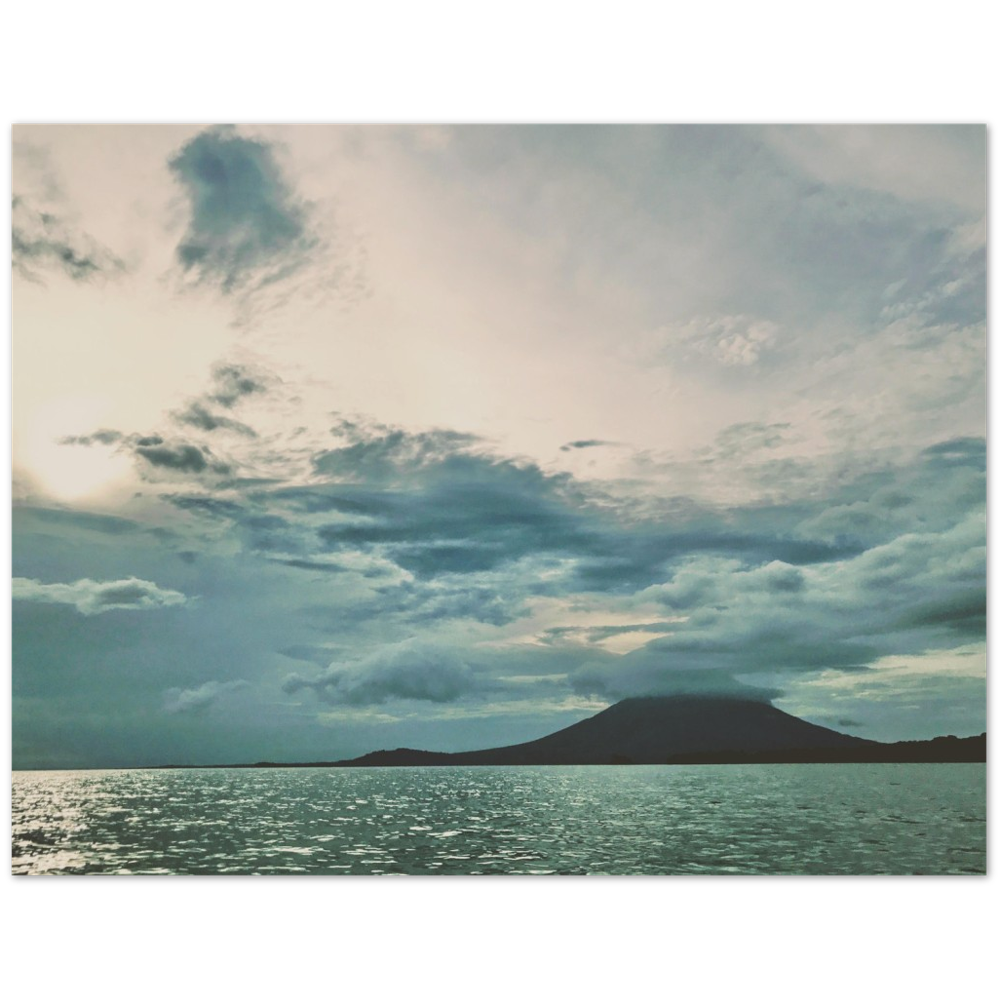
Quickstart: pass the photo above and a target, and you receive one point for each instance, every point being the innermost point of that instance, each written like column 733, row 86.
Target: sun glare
column 67, row 471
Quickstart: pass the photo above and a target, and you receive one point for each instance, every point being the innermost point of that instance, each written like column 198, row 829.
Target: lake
column 795, row 819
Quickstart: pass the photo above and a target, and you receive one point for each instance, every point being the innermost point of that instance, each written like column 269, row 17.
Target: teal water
column 818, row 819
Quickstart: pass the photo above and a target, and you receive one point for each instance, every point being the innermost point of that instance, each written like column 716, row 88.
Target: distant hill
column 676, row 730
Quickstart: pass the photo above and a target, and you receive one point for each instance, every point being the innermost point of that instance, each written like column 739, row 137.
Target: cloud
column 104, row 437
column 491, row 602
column 942, row 163
column 588, row 443
column 472, row 535
column 41, row 240
column 92, row 597
column 179, row 457
column 958, row 451
column 637, row 680
column 427, row 532
column 313, row 565
column 107, row 524
column 916, row 592
column 375, row 452
column 816, row 327
column 436, row 510
column 195, row 414
column 731, row 340
column 963, row 612
column 738, row 341
column 178, row 701
column 233, row 382
column 206, row 505
column 246, row 224
column 409, row 671
column 156, row 451
column 737, row 440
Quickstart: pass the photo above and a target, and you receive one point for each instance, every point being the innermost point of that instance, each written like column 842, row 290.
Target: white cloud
column 411, row 671
column 912, row 162
column 733, row 340
column 93, row 597
column 178, row 701
column 738, row 341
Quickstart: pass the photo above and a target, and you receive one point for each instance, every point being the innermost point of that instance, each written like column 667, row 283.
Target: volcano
column 656, row 731
column 683, row 730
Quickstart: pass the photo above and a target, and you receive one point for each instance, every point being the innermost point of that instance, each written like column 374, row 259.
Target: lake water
column 657, row 820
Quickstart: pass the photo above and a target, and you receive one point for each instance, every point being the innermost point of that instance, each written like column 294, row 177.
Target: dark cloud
column 858, row 300
column 233, row 382
column 246, row 224
column 98, row 437
column 439, row 508
column 963, row 612
column 461, row 514
column 915, row 593
column 589, row 443
column 477, row 535
column 958, row 451
column 323, row 498
column 409, row 671
column 207, row 505
column 714, row 659
column 180, row 458
column 383, row 453
column 313, row 565
column 425, row 530
column 156, row 451
column 43, row 241
column 197, row 415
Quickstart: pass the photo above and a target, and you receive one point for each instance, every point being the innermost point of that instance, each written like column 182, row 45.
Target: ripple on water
column 786, row 819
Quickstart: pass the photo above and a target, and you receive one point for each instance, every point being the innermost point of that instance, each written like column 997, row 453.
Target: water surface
column 652, row 820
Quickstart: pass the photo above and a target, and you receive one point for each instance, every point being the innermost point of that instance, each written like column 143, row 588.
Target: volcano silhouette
column 657, row 731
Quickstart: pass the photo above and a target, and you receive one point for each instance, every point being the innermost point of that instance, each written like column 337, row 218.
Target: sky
column 329, row 439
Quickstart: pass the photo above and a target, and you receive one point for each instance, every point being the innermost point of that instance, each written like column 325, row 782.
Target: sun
column 66, row 471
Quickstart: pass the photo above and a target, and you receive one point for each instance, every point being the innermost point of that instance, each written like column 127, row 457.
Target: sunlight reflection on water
column 727, row 819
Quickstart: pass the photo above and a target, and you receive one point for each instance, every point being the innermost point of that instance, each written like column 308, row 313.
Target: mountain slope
column 652, row 731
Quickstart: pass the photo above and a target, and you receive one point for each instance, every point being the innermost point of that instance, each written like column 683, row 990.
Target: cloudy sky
column 328, row 439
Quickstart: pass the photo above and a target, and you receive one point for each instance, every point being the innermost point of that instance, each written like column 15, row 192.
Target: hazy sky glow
column 333, row 438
